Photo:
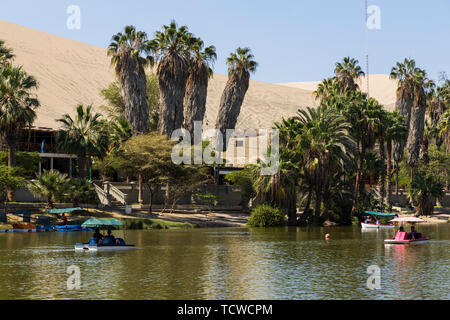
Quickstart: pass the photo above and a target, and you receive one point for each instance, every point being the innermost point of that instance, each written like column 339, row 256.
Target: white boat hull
column 88, row 247
column 391, row 241
column 376, row 226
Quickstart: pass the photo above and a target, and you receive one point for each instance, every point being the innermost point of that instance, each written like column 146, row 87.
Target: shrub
column 264, row 216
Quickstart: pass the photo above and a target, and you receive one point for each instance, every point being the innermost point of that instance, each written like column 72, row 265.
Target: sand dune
column 381, row 87
column 70, row 72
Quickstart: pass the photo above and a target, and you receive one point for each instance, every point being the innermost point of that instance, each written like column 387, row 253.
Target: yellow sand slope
column 70, row 72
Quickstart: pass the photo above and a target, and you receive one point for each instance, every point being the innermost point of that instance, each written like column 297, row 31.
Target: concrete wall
column 229, row 196
column 25, row 195
column 401, row 199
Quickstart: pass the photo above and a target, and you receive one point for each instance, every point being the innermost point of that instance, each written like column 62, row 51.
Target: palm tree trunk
column 168, row 196
column 308, row 200
column 134, row 87
column 292, row 207
column 231, row 102
column 195, row 98
column 403, row 105
column 318, row 203
column 172, row 77
column 382, row 179
column 49, row 202
column 11, row 155
column 396, row 177
column 424, row 150
column 11, row 195
column 416, row 129
column 388, row 174
column 82, row 166
column 359, row 177
column 326, row 203
column 150, row 203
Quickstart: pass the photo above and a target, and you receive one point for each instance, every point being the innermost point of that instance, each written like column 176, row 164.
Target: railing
column 117, row 194
column 103, row 196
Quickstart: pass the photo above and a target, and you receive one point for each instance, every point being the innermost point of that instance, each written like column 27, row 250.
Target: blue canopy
column 381, row 214
column 23, row 212
column 65, row 210
column 97, row 222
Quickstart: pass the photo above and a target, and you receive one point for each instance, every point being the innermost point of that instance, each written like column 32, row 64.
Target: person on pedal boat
column 97, row 235
column 368, row 220
column 413, row 235
column 109, row 239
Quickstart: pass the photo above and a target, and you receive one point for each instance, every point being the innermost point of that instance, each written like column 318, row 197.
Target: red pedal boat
column 403, row 237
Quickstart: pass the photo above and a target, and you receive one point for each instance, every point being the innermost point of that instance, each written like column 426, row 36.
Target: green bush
column 265, row 216
column 146, row 224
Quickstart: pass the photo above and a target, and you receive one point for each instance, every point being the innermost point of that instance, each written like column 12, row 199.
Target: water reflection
column 285, row 263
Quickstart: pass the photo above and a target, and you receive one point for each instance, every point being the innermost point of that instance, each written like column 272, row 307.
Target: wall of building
column 228, row 196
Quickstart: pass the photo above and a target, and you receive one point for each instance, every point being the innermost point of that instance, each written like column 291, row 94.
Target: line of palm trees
column 328, row 153
column 318, row 146
column 183, row 66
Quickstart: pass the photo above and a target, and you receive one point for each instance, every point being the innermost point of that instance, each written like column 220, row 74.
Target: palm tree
column 326, row 145
column 115, row 106
column 77, row 191
column 17, row 106
column 347, row 72
column 5, row 54
column 130, row 53
column 327, row 88
column 381, row 127
column 240, row 64
column 444, row 128
column 422, row 189
column 403, row 72
column 395, row 132
column 417, row 122
column 280, row 189
column 197, row 83
column 436, row 105
column 52, row 185
column 172, row 46
column 114, row 133
column 81, row 135
column 364, row 115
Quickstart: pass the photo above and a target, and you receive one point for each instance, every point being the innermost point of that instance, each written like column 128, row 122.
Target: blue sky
column 294, row 40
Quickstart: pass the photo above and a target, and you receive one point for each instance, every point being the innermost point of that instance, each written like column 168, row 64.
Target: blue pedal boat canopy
column 98, row 222
column 381, row 214
column 65, row 210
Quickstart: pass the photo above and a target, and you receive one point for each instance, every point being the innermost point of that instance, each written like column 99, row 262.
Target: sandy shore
column 203, row 220
column 211, row 220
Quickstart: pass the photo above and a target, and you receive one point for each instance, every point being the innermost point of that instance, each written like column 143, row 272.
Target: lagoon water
column 285, row 263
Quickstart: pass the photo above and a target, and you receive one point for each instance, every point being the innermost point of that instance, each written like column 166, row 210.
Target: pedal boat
column 402, row 237
column 377, row 226
column 99, row 247
column 104, row 224
column 377, row 215
column 23, row 227
column 4, row 228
